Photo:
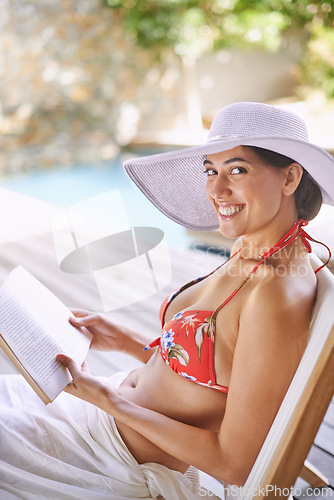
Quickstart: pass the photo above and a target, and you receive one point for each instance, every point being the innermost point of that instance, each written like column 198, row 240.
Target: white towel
column 70, row 449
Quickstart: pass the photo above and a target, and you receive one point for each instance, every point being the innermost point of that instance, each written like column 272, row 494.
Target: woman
column 211, row 385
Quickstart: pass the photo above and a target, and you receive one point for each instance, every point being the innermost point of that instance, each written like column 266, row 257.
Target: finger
column 90, row 320
column 70, row 364
column 85, row 368
column 79, row 312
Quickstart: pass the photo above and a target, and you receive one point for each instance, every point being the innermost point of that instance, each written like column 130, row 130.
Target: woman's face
column 245, row 192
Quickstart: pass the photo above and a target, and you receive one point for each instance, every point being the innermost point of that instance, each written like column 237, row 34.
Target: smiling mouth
column 229, row 211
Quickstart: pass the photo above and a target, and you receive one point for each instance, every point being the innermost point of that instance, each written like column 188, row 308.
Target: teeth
column 229, row 210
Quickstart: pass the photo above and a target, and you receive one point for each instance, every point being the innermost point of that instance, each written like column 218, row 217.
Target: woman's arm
column 273, row 332
column 271, row 340
column 174, row 437
column 108, row 335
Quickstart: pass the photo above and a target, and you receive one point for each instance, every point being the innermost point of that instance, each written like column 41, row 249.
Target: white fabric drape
column 70, row 449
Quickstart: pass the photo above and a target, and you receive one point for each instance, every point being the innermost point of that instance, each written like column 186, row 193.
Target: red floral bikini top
column 187, row 340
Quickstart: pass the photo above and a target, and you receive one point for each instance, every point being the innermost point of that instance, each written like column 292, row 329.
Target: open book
column 34, row 328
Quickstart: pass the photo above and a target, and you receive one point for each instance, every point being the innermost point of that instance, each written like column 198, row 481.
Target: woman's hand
column 85, row 385
column 107, row 336
column 110, row 336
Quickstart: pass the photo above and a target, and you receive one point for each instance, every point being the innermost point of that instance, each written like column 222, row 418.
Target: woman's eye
column 237, row 170
column 210, row 171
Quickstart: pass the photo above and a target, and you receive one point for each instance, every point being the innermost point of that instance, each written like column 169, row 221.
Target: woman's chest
column 218, row 295
column 201, row 327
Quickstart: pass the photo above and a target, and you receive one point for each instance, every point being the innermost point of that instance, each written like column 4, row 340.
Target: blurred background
column 85, row 85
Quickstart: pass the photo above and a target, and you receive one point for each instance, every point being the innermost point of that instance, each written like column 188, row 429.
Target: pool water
column 66, row 186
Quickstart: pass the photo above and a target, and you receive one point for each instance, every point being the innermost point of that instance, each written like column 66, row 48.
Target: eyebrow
column 227, row 162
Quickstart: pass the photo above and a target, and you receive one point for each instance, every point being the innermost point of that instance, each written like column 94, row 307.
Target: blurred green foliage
column 193, row 27
column 317, row 67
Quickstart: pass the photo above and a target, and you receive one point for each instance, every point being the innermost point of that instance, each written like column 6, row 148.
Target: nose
column 218, row 187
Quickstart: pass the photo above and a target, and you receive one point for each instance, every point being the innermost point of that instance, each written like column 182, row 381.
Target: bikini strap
column 305, row 237
column 294, row 232
column 189, row 284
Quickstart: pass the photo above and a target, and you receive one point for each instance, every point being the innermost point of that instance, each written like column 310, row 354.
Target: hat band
column 225, row 137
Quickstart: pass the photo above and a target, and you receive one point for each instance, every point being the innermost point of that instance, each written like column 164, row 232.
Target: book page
column 35, row 325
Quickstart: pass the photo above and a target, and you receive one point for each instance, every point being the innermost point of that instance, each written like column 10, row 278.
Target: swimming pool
column 65, row 186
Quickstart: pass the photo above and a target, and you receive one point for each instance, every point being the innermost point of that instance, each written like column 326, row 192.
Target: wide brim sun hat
column 175, row 181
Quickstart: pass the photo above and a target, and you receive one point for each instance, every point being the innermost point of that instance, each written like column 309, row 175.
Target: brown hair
column 308, row 196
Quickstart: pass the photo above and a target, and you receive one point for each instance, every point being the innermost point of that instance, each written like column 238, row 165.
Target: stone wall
column 70, row 83
column 72, row 90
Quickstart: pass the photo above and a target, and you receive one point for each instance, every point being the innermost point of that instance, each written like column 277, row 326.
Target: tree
column 193, row 27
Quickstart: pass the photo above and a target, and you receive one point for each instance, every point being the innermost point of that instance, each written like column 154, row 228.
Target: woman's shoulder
column 288, row 283
column 283, row 295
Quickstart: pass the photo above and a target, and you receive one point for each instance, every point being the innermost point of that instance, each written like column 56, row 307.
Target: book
column 34, row 328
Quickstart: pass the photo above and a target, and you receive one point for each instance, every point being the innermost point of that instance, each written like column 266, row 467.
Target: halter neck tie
column 294, row 232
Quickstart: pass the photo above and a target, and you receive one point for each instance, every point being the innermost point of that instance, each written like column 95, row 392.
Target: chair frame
column 288, row 461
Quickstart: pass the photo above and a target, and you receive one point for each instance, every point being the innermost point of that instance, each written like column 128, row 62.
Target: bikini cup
column 187, row 340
